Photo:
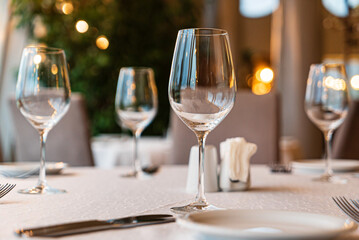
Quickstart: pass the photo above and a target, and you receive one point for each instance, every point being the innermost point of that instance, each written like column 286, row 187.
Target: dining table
column 95, row 193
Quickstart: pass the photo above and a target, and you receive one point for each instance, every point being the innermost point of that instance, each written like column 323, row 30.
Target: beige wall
column 245, row 33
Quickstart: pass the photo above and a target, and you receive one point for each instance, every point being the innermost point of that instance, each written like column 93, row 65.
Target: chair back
column 346, row 137
column 1, row 152
column 68, row 141
column 256, row 118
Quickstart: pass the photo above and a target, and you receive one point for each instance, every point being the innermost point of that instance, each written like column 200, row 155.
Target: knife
column 95, row 225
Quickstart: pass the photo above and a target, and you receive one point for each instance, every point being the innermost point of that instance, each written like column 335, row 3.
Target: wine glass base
column 331, row 179
column 129, row 175
column 193, row 207
column 137, row 175
column 42, row 189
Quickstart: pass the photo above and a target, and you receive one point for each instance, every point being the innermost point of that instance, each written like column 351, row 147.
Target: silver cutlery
column 349, row 208
column 95, row 225
column 6, row 188
column 280, row 168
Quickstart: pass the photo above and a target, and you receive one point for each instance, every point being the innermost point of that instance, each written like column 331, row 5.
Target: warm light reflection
column 260, row 88
column 354, row 82
column 102, row 42
column 231, row 83
column 261, row 82
column 54, row 113
column 67, row 8
column 337, row 84
column 37, row 59
column 328, row 82
column 82, row 26
column 54, row 69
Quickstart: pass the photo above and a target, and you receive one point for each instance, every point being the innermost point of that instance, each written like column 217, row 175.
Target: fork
column 348, row 208
column 5, row 189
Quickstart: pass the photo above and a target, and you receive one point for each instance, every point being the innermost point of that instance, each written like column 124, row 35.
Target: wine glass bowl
column 43, row 97
column 136, row 105
column 44, row 110
column 326, row 104
column 201, row 90
column 199, row 110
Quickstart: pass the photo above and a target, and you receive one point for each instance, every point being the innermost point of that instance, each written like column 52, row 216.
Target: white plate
column 19, row 167
column 318, row 165
column 265, row 225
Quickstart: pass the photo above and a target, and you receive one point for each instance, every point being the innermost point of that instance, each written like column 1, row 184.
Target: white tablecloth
column 102, row 194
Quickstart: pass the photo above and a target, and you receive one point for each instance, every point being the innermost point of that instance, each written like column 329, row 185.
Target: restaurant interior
column 236, row 119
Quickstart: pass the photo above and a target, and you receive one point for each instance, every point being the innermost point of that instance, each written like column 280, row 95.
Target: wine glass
column 136, row 105
column 326, row 104
column 201, row 90
column 43, row 97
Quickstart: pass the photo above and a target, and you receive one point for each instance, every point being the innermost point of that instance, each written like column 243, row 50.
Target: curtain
column 12, row 41
column 295, row 45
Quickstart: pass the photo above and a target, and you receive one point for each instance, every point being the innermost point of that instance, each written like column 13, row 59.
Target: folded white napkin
column 237, row 152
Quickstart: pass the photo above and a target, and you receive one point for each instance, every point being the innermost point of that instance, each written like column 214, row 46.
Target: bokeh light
column 102, row 42
column 260, row 88
column 354, row 82
column 37, row 59
column 67, row 8
column 266, row 75
column 82, row 26
column 54, row 69
column 261, row 82
column 337, row 84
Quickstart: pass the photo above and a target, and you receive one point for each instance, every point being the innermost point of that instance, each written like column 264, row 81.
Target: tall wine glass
column 43, row 97
column 201, row 90
column 136, row 105
column 326, row 104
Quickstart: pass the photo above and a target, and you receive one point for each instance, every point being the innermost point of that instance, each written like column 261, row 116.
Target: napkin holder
column 235, row 153
column 226, row 184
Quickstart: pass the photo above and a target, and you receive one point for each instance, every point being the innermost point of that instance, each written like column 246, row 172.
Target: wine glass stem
column 200, row 198
column 136, row 160
column 42, row 172
column 328, row 152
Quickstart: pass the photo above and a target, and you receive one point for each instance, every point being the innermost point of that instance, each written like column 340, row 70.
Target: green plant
column 140, row 33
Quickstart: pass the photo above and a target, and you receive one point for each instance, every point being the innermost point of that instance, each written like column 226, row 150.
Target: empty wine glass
column 326, row 104
column 43, row 97
column 136, row 105
column 201, row 90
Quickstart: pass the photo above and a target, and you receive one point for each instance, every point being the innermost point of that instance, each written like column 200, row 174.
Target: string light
column 82, row 26
column 102, row 42
column 37, row 59
column 67, row 8
column 54, row 69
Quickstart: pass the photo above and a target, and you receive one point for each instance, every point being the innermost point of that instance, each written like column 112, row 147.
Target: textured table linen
column 101, row 194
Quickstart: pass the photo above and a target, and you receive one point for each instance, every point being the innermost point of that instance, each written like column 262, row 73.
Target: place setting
column 201, row 106
column 29, row 169
column 327, row 104
column 136, row 106
column 199, row 216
